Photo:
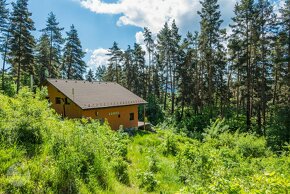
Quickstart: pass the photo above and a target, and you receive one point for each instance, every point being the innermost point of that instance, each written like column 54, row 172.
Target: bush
column 75, row 154
column 148, row 181
column 121, row 171
column 251, row 146
column 169, row 145
column 153, row 164
column 278, row 132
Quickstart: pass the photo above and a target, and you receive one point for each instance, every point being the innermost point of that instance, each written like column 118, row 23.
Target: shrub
column 76, row 154
column 147, row 181
column 278, row 132
column 153, row 164
column 251, row 146
column 121, row 171
column 169, row 145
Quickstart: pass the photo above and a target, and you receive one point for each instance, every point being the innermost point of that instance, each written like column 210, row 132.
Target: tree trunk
column 238, row 91
column 50, row 53
column 166, row 86
column 182, row 107
column 289, row 64
column 19, row 60
column 248, row 90
column 275, row 87
column 4, row 62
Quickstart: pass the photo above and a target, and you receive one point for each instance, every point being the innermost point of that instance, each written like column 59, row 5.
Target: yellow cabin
column 97, row 100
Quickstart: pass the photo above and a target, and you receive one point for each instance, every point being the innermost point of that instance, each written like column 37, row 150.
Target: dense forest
column 242, row 75
column 219, row 100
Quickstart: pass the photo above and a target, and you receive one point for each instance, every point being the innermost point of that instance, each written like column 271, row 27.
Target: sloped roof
column 90, row 95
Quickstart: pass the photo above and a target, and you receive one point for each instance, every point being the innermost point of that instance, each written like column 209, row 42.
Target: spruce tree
column 90, row 76
column 73, row 65
column 21, row 42
column 53, row 31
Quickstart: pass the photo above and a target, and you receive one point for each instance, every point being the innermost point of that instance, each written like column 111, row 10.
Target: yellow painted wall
column 71, row 111
column 111, row 113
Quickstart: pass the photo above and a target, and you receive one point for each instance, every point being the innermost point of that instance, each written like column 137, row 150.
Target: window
column 57, row 100
column 67, row 101
column 131, row 116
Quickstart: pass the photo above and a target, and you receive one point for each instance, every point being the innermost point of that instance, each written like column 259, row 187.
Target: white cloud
column 139, row 38
column 154, row 13
column 98, row 58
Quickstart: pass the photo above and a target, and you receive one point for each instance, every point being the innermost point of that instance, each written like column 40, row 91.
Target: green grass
column 42, row 153
column 140, row 149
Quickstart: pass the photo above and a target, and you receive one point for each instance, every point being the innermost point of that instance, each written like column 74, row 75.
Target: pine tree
column 265, row 30
column 43, row 57
column 149, row 42
column 21, row 43
column 164, row 57
column 184, row 79
column 4, row 14
column 156, row 81
column 285, row 21
column 222, row 92
column 243, row 29
column 175, row 60
column 209, row 41
column 90, row 76
column 188, row 74
column 128, row 70
column 114, row 69
column 4, row 33
column 53, row 31
column 139, row 72
column 73, row 65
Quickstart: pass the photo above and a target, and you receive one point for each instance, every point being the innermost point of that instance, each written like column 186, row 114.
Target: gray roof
column 90, row 95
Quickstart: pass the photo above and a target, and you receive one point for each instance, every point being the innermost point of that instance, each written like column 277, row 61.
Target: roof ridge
column 81, row 80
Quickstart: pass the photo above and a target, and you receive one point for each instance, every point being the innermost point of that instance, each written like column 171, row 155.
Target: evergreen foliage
column 53, row 31
column 73, row 65
column 4, row 34
column 21, row 42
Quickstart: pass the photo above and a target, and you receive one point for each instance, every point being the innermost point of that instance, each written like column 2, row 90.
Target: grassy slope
column 81, row 157
column 237, row 163
column 140, row 150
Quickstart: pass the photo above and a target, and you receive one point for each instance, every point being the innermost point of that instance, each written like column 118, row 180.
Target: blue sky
column 95, row 30
column 100, row 22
